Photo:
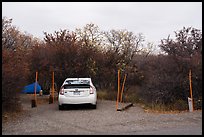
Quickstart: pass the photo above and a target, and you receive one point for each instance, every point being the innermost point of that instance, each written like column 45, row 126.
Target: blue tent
column 30, row 89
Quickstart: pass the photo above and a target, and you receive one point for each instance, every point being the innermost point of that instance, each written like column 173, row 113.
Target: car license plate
column 76, row 92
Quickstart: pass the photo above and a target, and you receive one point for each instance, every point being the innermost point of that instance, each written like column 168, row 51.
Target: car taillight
column 91, row 90
column 62, row 91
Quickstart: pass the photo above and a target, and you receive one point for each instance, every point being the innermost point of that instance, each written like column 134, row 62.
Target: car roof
column 89, row 79
column 77, row 79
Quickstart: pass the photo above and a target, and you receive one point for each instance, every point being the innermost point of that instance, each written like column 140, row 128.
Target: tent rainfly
column 30, row 89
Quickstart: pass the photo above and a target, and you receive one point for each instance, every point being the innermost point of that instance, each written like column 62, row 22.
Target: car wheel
column 60, row 107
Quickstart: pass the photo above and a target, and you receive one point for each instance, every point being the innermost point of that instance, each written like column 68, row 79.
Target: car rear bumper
column 91, row 99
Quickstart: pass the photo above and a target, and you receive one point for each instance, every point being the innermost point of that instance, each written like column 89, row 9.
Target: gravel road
column 46, row 119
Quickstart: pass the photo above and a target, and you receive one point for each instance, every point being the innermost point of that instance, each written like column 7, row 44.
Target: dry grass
column 106, row 94
column 132, row 96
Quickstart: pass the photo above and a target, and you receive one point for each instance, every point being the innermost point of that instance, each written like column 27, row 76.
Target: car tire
column 93, row 106
column 60, row 107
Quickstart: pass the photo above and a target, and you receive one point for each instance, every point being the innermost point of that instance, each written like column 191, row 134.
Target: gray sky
column 154, row 19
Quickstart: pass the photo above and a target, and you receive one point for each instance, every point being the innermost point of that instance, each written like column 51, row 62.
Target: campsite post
column 36, row 77
column 190, row 100
column 122, row 88
column 118, row 95
column 34, row 102
column 53, row 86
column 51, row 97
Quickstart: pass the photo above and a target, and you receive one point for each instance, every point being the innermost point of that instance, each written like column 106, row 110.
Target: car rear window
column 77, row 84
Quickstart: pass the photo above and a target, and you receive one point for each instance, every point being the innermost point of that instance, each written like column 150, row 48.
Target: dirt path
column 46, row 119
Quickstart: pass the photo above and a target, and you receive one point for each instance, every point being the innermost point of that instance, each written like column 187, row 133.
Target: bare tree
column 166, row 76
column 91, row 36
column 186, row 43
column 15, row 64
column 123, row 45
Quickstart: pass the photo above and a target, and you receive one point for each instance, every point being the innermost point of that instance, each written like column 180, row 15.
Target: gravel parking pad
column 46, row 119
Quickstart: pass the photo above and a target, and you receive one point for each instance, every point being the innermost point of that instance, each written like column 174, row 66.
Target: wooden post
column 53, row 87
column 118, row 90
column 122, row 88
column 190, row 82
column 34, row 102
column 36, row 79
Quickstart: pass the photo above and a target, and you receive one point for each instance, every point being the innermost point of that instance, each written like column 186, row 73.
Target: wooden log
column 125, row 107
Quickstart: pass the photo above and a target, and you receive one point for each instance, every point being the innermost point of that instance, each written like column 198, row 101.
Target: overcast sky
column 154, row 19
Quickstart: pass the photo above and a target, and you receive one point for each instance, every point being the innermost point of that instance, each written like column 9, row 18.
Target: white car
column 77, row 91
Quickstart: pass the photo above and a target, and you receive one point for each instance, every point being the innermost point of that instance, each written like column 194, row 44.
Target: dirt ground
column 46, row 119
